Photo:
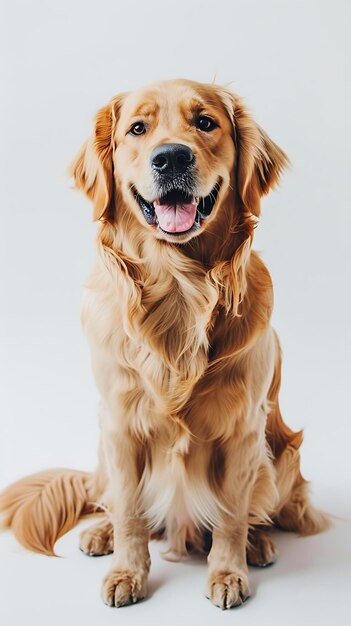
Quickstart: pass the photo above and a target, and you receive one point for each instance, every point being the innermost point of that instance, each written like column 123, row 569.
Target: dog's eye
column 205, row 123
column 138, row 129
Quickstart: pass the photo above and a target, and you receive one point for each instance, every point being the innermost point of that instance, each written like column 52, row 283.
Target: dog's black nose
column 171, row 158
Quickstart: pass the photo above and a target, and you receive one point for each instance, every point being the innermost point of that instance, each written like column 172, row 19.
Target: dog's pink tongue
column 175, row 218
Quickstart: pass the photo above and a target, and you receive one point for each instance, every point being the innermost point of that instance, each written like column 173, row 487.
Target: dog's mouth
column 177, row 212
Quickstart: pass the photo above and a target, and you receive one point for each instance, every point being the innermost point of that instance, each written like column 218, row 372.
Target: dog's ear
column 92, row 168
column 260, row 161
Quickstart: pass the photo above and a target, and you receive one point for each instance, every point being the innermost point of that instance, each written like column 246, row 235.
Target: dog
column 177, row 313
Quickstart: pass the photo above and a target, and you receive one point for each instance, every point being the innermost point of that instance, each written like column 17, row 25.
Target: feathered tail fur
column 42, row 507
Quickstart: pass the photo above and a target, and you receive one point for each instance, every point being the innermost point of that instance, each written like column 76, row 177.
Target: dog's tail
column 42, row 507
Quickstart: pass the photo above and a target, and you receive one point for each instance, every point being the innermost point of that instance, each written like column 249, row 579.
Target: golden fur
column 185, row 359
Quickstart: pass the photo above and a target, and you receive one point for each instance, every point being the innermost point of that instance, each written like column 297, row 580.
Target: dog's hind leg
column 294, row 510
column 97, row 540
column 261, row 550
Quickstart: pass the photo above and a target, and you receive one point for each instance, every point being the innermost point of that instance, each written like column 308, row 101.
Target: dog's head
column 172, row 153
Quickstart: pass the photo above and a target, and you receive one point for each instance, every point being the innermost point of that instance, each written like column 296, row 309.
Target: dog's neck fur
column 174, row 292
column 177, row 320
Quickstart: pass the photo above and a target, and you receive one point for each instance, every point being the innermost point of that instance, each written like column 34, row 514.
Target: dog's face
column 174, row 156
column 174, row 151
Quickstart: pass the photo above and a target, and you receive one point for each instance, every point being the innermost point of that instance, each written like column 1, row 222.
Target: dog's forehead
column 176, row 97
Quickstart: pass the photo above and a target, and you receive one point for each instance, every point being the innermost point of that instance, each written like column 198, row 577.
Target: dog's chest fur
column 173, row 334
column 153, row 365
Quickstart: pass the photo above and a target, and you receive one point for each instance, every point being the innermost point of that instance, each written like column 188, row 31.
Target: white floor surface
column 310, row 583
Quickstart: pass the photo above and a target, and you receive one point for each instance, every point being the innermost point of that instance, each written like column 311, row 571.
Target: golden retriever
column 177, row 313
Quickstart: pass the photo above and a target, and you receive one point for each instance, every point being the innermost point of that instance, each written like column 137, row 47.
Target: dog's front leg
column 126, row 582
column 227, row 583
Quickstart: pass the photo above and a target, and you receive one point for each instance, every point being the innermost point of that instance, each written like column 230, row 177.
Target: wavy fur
column 44, row 506
column 184, row 357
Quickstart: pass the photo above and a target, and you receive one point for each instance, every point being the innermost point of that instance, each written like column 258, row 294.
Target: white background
column 60, row 62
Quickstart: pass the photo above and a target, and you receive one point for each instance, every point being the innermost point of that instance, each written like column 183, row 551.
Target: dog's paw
column 261, row 550
column 227, row 589
column 97, row 540
column 121, row 587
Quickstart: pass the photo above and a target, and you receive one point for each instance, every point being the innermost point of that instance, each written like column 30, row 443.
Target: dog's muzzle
column 176, row 209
